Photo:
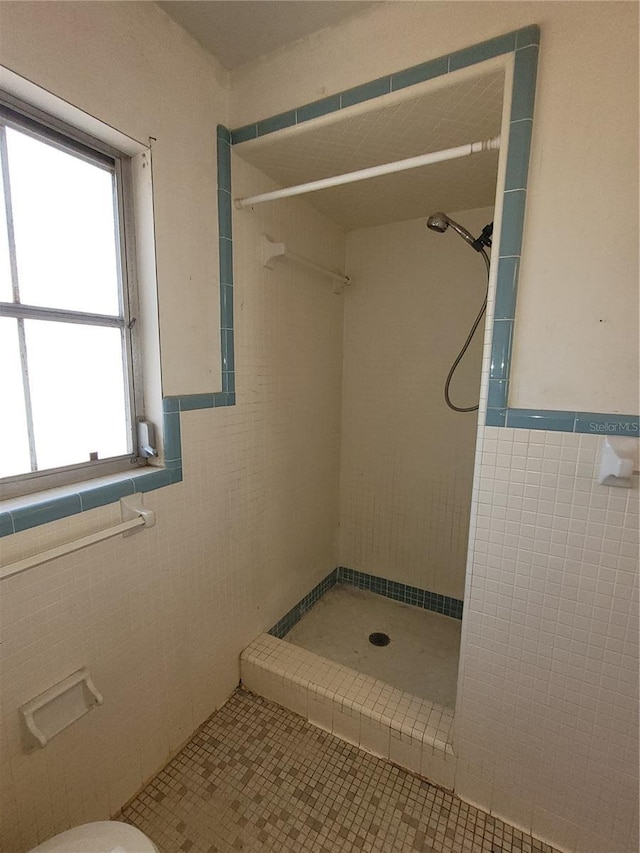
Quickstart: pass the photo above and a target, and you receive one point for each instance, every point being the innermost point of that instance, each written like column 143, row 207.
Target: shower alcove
column 403, row 461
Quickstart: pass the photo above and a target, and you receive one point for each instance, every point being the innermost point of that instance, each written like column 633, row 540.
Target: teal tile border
column 594, row 423
column 444, row 604
column 518, row 40
column 547, row 420
column 88, row 496
column 419, row 73
column 599, row 424
column 45, row 511
column 365, row 92
column 6, row 524
column 293, row 616
column 381, row 586
column 524, row 44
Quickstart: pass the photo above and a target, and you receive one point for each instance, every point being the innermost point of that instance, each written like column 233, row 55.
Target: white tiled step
column 379, row 718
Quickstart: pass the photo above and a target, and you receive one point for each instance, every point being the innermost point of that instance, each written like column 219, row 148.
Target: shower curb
column 380, row 719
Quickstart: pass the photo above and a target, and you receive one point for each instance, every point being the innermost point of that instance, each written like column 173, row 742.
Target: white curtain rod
column 374, row 171
column 271, row 250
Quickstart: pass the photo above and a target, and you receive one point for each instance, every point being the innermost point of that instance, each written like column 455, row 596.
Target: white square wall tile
column 346, row 725
column 375, row 737
column 406, row 752
column 473, row 786
column 320, row 711
column 438, row 766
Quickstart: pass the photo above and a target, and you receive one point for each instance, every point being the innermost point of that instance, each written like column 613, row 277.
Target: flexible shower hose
column 465, row 347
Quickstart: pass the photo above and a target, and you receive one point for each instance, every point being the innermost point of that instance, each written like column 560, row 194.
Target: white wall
column 407, row 459
column 578, row 297
column 160, row 618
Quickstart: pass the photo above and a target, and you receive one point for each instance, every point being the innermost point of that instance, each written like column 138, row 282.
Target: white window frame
column 31, row 120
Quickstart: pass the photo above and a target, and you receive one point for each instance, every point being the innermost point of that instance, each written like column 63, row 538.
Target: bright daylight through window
column 66, row 365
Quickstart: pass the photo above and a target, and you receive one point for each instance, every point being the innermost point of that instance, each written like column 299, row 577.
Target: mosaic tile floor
column 257, row 777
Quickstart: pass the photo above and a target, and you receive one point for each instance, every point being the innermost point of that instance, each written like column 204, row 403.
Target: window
column 68, row 379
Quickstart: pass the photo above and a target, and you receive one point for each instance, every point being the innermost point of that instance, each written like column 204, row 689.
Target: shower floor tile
column 422, row 657
column 257, row 777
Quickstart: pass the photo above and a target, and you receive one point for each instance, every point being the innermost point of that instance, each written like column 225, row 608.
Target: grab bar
column 142, row 518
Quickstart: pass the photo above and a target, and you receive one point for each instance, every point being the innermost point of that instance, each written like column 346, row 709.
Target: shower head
column 440, row 222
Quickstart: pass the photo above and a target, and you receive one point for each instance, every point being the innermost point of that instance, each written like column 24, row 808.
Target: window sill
column 18, row 514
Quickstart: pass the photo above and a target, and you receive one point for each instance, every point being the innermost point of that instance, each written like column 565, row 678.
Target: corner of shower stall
column 384, row 720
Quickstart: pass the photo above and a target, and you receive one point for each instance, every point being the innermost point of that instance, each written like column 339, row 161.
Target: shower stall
column 371, row 651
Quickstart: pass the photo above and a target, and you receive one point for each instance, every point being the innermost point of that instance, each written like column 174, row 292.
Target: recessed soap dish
column 58, row 707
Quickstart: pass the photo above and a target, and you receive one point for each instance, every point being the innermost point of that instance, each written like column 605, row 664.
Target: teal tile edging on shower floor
column 88, row 495
column 524, row 44
column 415, row 596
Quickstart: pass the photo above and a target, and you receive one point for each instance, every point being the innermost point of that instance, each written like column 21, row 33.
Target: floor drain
column 378, row 639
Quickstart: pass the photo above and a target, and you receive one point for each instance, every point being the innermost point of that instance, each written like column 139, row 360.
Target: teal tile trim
column 172, row 438
column 223, row 163
column 534, row 419
column 171, row 404
column 226, row 397
column 148, row 479
column 598, row 424
column 507, row 43
column 279, row 122
column 518, row 156
column 225, row 247
column 528, row 36
column 496, row 417
column 150, row 482
column 6, row 524
column 524, row 82
column 102, row 495
column 501, row 349
column 224, row 214
column 190, row 402
column 381, row 586
column 317, row 109
column 45, row 511
column 402, row 592
column 365, row 92
column 497, row 398
column 284, row 625
column 481, row 52
column 594, row 423
column 419, row 73
column 512, row 223
column 505, row 306
column 244, row 134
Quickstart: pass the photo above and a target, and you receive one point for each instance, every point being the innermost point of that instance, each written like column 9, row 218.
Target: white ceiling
column 237, row 31
column 442, row 117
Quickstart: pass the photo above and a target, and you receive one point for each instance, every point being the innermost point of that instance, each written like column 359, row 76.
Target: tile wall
column 546, row 723
column 407, row 460
column 160, row 618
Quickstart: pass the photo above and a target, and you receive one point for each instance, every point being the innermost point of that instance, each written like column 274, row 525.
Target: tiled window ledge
column 405, row 729
column 18, row 514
